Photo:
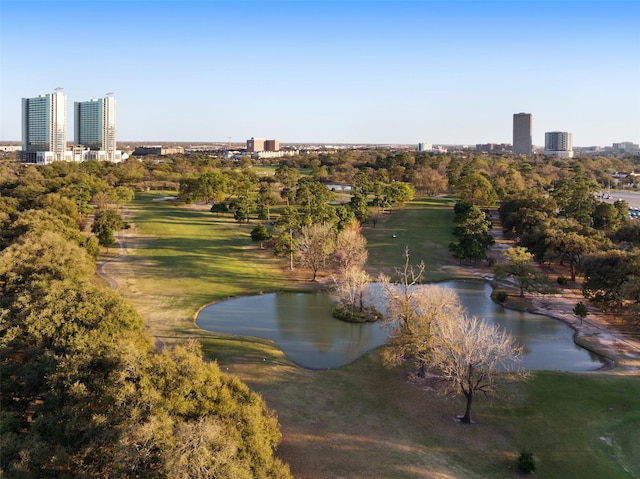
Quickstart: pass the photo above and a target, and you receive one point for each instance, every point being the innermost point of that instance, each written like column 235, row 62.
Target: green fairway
column 182, row 257
column 424, row 226
column 365, row 420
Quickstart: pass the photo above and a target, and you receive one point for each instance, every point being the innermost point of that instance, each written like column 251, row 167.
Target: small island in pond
column 368, row 314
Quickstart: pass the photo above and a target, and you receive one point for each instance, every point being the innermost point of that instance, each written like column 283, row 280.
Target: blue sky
column 441, row 72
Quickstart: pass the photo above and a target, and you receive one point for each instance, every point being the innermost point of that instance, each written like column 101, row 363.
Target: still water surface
column 302, row 326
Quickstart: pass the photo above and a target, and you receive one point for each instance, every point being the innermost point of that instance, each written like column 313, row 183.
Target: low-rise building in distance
column 257, row 145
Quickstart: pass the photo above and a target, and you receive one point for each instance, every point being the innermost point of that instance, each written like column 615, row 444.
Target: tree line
column 570, row 227
column 84, row 392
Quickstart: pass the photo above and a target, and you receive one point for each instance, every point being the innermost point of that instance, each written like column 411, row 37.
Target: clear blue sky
column 442, row 72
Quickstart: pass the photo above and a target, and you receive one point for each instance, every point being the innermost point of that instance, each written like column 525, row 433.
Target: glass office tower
column 95, row 125
column 44, row 127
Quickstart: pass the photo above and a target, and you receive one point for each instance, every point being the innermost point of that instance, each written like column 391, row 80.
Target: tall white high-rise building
column 522, row 142
column 558, row 143
column 95, row 127
column 44, row 128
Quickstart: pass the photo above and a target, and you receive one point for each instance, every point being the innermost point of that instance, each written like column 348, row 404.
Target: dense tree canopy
column 84, row 392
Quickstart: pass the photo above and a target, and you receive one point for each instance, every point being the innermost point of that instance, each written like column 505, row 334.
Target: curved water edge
column 301, row 325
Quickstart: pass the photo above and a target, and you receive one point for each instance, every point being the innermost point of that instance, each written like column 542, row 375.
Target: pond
column 303, row 328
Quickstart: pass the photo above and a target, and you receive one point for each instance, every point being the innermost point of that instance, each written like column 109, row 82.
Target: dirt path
column 101, row 269
column 595, row 333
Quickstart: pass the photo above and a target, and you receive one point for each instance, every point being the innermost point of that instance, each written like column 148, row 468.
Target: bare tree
column 350, row 290
column 315, row 243
column 351, row 249
column 401, row 308
column 416, row 339
column 473, row 354
column 411, row 310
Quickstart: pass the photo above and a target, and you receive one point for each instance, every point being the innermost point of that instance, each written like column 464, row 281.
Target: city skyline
column 333, row 72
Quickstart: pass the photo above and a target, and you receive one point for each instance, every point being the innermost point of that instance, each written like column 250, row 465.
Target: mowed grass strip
column 365, row 420
column 423, row 225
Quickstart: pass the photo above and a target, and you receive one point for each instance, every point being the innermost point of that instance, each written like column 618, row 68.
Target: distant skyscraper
column 95, row 126
column 558, row 143
column 522, row 134
column 44, row 128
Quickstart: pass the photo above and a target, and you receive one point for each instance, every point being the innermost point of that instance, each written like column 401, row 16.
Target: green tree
column 398, row 193
column 474, row 188
column 611, row 280
column 570, row 247
column 106, row 236
column 104, row 226
column 359, row 206
column 526, row 212
column 313, row 200
column 576, row 198
column 288, row 224
column 606, row 217
column 519, row 266
column 472, row 232
column 265, row 201
column 580, row 310
column 41, row 257
column 288, row 178
column 260, row 233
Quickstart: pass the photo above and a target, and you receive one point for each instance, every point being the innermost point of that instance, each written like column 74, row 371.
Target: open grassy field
column 365, row 420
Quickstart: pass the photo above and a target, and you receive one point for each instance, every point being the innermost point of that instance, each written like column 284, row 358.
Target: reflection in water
column 302, row 326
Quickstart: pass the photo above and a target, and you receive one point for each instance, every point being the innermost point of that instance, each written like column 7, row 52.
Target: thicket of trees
column 84, row 393
column 571, row 228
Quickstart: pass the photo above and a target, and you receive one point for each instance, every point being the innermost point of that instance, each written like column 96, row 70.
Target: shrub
column 501, row 296
column 369, row 315
column 562, row 280
column 526, row 462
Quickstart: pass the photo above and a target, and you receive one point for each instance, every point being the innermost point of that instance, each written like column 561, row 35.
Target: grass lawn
column 364, row 420
column 424, row 226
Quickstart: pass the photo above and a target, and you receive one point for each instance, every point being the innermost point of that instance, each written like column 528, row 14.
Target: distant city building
column 254, row 145
column 558, row 143
column 425, row 147
column 522, row 139
column 493, row 147
column 44, row 128
column 271, row 145
column 257, row 145
column 95, row 128
column 158, row 150
column 625, row 147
